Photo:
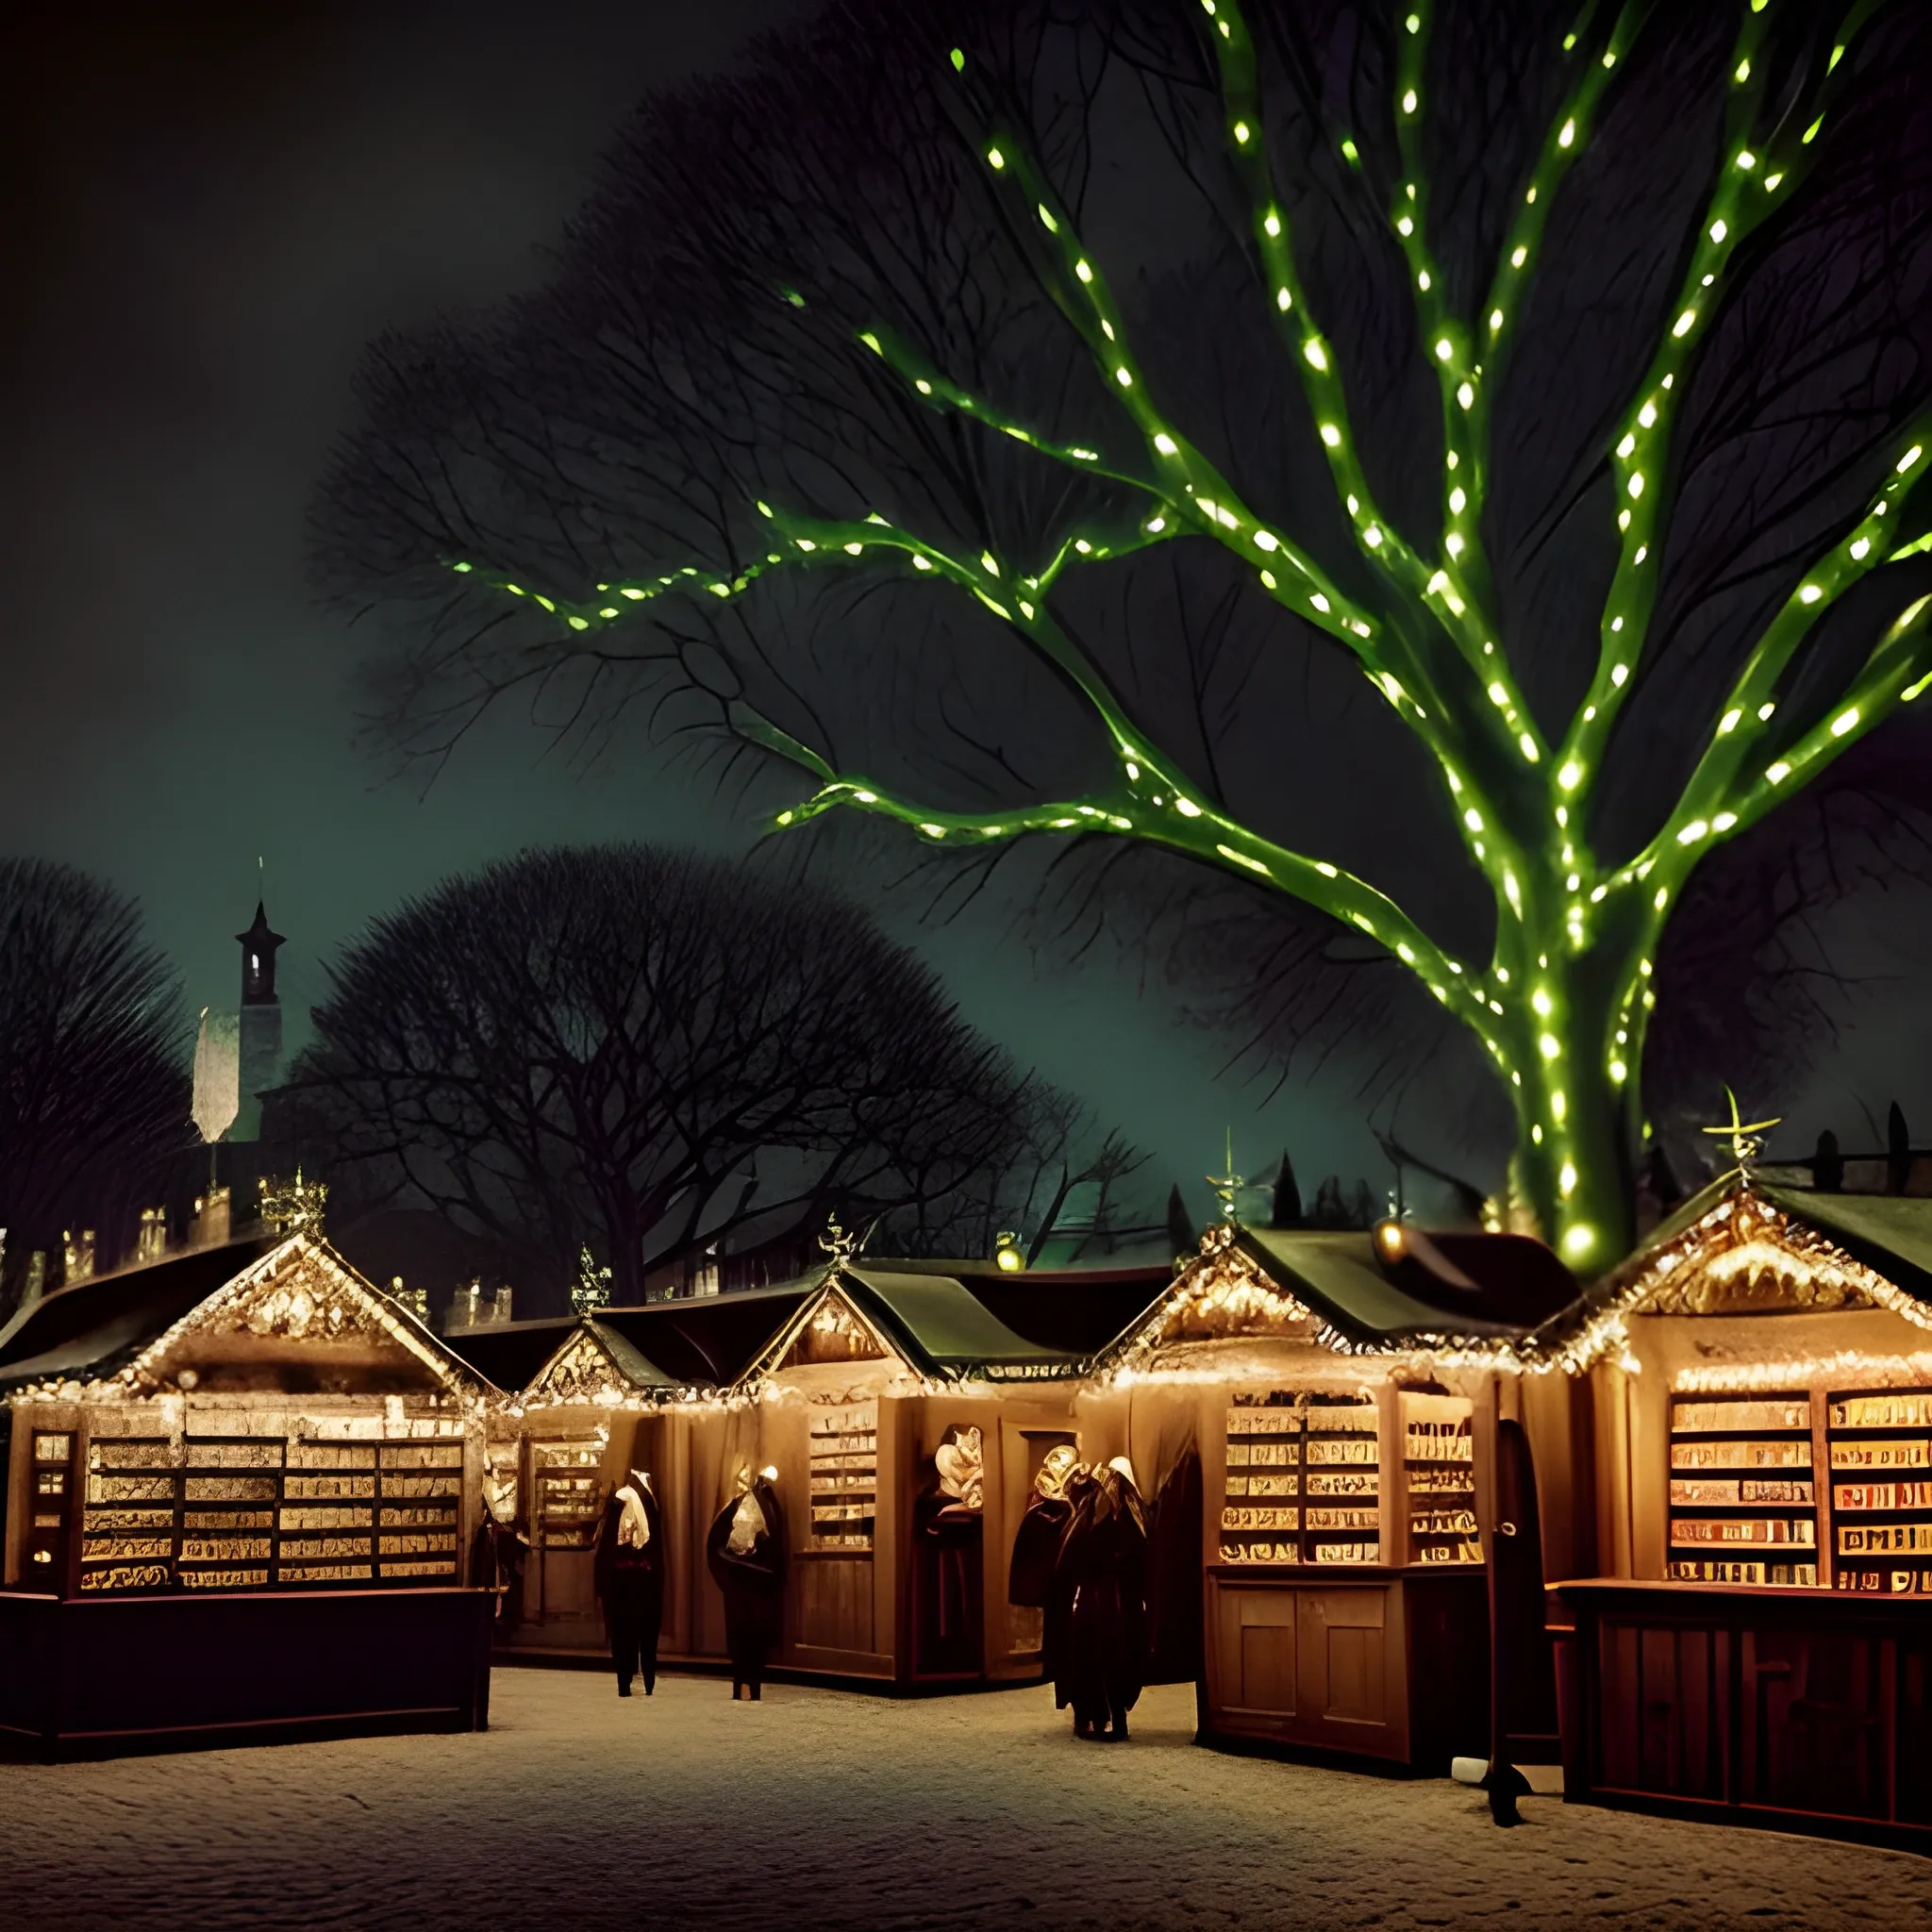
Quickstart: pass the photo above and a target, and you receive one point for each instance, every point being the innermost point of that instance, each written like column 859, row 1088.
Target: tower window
column 253, row 963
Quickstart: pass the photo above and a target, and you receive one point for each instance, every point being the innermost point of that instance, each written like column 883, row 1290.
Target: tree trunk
column 1571, row 1039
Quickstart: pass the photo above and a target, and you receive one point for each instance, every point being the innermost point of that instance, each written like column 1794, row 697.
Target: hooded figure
column 948, row 1525
column 1175, row 1650
column 745, row 1550
column 629, row 1577
column 1057, row 1652
column 1105, row 1560
column 496, row 1555
column 1029, row 1576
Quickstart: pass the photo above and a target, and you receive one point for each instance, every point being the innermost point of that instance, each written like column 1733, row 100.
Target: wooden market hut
column 647, row 1387
column 221, row 1460
column 1311, row 1418
column 846, row 1381
column 1753, row 1638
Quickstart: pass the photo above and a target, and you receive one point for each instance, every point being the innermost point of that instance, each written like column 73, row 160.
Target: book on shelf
column 1740, row 1415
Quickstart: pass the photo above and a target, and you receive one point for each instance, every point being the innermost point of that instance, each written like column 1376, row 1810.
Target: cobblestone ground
column 816, row 1809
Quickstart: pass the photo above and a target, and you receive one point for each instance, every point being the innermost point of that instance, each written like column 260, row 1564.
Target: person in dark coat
column 1037, row 1541
column 1057, row 1650
column 1106, row 1632
column 497, row 1564
column 948, row 1535
column 628, row 1571
column 745, row 1550
column 1175, row 1650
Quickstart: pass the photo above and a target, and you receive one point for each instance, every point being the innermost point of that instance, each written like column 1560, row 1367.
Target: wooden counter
column 1363, row 1661
column 1803, row 1709
column 92, row 1676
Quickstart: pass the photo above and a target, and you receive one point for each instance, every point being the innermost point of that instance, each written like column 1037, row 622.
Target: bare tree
column 648, row 1052
column 1446, row 468
column 93, row 1085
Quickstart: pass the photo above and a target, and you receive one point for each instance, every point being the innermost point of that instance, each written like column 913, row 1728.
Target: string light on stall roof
column 1854, row 1366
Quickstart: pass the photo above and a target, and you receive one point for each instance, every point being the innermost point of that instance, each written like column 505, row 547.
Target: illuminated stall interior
column 1309, row 1415
column 850, row 1382
column 1762, row 1371
column 908, row 1422
column 236, row 1419
column 601, row 1394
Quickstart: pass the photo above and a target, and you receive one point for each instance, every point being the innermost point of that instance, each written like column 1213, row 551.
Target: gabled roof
column 938, row 1324
column 941, row 1326
column 1076, row 1309
column 1396, row 1287
column 97, row 1324
column 1801, row 1250
column 594, row 1360
column 298, row 1288
column 709, row 1341
column 509, row 1353
column 1392, row 1290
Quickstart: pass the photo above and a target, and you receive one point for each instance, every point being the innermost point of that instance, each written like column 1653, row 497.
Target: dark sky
column 221, row 204
column 211, row 210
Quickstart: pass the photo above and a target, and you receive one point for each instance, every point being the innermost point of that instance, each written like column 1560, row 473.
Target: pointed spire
column 259, row 944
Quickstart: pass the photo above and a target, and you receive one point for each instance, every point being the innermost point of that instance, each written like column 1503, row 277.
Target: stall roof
column 509, row 1353
column 1888, row 1235
column 97, row 1324
column 708, row 1340
column 939, row 1325
column 1076, row 1309
column 140, row 1317
column 1444, row 1287
column 1890, row 1232
column 593, row 1357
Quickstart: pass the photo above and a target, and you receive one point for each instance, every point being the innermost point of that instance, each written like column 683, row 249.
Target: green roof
column 1891, row 1234
column 939, row 1325
column 1339, row 1278
column 630, row 1361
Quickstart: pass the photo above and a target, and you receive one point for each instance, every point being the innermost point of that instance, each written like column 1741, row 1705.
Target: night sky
column 221, row 206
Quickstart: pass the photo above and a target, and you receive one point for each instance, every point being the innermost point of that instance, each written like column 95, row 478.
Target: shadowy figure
column 1521, row 1669
column 496, row 1559
column 745, row 1550
column 629, row 1577
column 948, row 1529
column 1037, row 1541
column 1104, row 1558
column 1056, row 1639
column 1175, row 1648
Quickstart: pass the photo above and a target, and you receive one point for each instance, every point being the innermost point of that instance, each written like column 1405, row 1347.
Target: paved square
column 818, row 1809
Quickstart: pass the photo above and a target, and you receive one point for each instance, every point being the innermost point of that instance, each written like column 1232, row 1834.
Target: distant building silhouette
column 262, row 1022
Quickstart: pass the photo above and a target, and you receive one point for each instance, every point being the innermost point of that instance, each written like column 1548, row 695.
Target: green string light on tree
column 1563, row 1005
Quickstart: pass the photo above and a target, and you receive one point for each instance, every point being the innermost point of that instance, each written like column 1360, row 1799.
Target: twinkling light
column 1509, row 784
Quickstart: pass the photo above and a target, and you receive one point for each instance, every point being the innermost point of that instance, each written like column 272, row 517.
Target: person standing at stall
column 1057, row 1637
column 1106, row 1559
column 1037, row 1543
column 629, row 1572
column 745, row 1550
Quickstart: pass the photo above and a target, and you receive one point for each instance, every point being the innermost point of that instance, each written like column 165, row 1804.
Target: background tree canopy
column 1447, row 473
column 93, row 1082
column 651, row 1054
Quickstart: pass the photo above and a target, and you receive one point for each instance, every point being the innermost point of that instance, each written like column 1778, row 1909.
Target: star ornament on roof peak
column 1228, row 1186
column 1746, row 1137
column 837, row 1241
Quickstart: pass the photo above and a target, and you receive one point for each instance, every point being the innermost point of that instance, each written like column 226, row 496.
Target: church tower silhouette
column 262, row 1022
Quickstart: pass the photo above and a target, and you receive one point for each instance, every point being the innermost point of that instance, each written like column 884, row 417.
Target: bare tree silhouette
column 651, row 1053
column 93, row 1085
column 1446, row 468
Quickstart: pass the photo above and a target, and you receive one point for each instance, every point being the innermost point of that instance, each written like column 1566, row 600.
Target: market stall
column 291, row 1432
column 906, row 1422
column 1331, row 1399
column 1754, row 1635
